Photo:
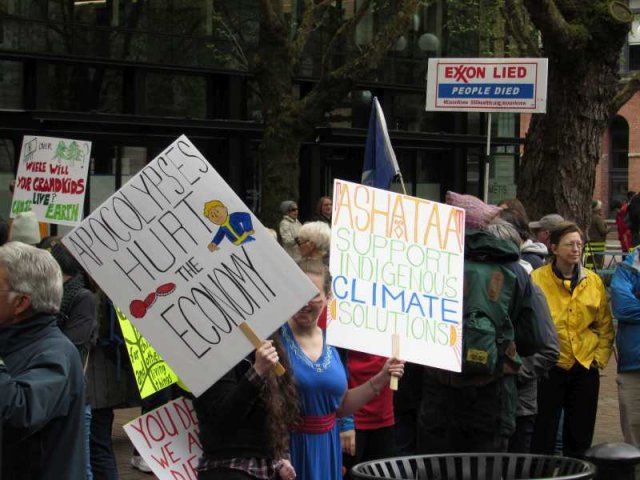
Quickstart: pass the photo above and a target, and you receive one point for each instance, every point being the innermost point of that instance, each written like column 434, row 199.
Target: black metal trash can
column 475, row 466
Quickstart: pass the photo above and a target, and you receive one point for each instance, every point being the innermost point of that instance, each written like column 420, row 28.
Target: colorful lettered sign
column 397, row 264
column 151, row 372
column 52, row 179
column 187, row 262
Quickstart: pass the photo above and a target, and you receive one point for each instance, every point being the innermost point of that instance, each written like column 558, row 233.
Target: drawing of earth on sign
column 237, row 226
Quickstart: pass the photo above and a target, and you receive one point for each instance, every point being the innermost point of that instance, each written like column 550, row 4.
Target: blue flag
column 380, row 164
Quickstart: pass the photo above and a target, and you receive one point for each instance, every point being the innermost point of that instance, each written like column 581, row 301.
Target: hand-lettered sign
column 397, row 264
column 167, row 439
column 187, row 262
column 52, row 179
column 151, row 372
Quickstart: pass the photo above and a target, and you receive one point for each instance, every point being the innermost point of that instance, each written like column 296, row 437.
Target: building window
column 7, row 174
column 619, row 132
column 618, row 159
column 175, row 95
column 11, row 82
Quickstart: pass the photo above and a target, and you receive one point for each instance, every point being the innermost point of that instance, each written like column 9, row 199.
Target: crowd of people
column 63, row 366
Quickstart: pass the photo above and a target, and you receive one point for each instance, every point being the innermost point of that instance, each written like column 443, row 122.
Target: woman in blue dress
column 320, row 376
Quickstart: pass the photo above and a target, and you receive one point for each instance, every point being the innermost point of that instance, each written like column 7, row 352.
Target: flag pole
column 487, row 162
column 404, row 190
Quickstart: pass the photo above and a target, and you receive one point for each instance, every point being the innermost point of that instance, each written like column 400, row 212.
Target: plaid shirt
column 262, row 468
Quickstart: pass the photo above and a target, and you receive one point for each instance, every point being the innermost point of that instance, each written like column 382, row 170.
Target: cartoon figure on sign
column 237, row 226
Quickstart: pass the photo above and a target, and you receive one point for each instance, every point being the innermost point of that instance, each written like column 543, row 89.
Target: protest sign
column 187, row 262
column 167, row 439
column 397, row 264
column 487, row 84
column 151, row 372
column 52, row 179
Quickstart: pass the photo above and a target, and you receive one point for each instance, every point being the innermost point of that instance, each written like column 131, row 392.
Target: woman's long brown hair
column 280, row 397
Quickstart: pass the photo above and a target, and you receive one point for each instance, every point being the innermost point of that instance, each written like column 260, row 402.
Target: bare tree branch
column 546, row 16
column 333, row 84
column 624, row 94
column 237, row 43
column 235, row 27
column 345, row 29
column 513, row 13
column 269, row 14
column 312, row 12
column 375, row 50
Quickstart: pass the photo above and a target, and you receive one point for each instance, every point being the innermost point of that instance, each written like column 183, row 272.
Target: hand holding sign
column 266, row 358
column 257, row 343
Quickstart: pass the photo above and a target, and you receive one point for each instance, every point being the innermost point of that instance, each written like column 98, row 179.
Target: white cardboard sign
column 182, row 256
column 397, row 264
column 167, row 439
column 487, row 84
column 52, row 179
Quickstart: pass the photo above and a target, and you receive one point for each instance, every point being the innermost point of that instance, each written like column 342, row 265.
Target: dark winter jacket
column 42, row 402
column 233, row 418
column 110, row 380
column 537, row 365
column 625, row 300
column 78, row 319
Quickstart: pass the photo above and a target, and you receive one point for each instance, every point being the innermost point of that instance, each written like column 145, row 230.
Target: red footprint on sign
column 166, row 289
column 138, row 308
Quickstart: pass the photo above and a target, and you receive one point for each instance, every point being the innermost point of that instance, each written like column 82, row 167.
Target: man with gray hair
column 41, row 378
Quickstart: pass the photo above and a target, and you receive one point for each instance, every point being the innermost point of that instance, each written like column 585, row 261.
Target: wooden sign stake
column 256, row 342
column 395, row 353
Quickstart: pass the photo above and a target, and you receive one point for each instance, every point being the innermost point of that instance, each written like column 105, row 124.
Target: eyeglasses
column 572, row 245
column 293, row 209
column 300, row 241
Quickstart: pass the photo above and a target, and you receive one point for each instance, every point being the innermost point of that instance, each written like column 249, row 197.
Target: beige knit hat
column 25, row 229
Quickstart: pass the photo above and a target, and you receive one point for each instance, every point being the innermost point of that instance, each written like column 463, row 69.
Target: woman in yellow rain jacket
column 580, row 310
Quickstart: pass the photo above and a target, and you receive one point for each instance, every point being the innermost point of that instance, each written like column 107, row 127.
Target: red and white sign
column 167, row 439
column 487, row 84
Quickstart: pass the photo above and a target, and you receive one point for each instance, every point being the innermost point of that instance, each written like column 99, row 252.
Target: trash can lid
column 614, row 452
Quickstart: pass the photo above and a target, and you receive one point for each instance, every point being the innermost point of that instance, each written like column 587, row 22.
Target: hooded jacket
column 42, row 402
column 581, row 315
column 534, row 252
column 457, row 399
column 625, row 292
